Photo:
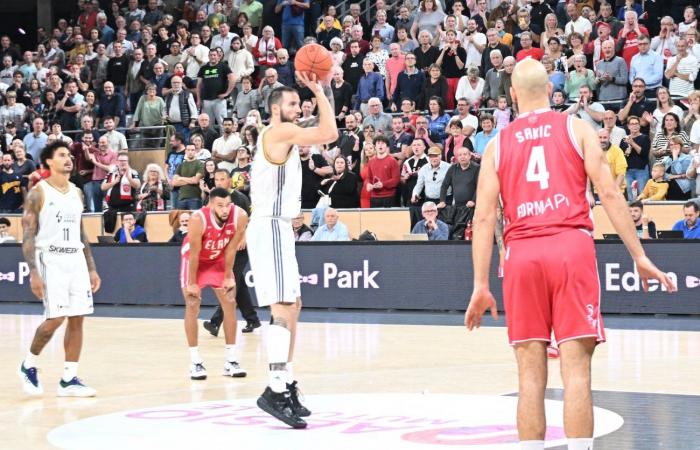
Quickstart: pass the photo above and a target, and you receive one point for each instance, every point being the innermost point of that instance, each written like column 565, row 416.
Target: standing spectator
column 214, row 84
column 180, row 107
column 693, row 172
column 693, row 113
column 680, row 187
column 629, row 42
column 149, row 113
column 153, row 16
column 437, row 120
column 504, row 88
column 204, row 128
column 455, row 140
column 121, row 188
column 492, row 80
column 12, row 187
column 587, row 109
column 35, row 141
column 435, row 86
column 426, row 53
column 341, row 186
column 104, row 160
column 240, row 60
column 665, row 43
column 155, row 191
column 427, row 18
column 196, row 55
column 434, row 228
column 327, row 32
column 487, row 133
column 13, row 111
column 492, row 43
column 636, row 147
column 370, row 86
column 332, row 229
column 637, row 105
column 410, row 168
column 615, row 157
column 408, row 83
column 399, row 139
column 526, row 48
column 80, row 153
column 118, row 69
column 117, row 141
column 378, row 55
column 690, row 226
column 474, row 43
column 292, row 22
column 461, row 179
column 578, row 77
column 617, row 134
column 394, row 66
column 430, row 177
column 681, row 71
column 247, row 99
column 577, row 23
column 23, row 166
column 342, row 94
column 382, row 175
column 595, row 46
column 314, row 168
column 187, row 177
column 406, row 45
column 223, row 39
column 611, row 74
column 134, row 84
column 452, row 61
column 224, row 149
column 353, row 65
column 471, row 86
column 266, row 86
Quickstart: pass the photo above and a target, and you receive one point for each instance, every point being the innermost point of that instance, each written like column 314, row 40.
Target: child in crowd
column 559, row 101
column 657, row 187
column 502, row 113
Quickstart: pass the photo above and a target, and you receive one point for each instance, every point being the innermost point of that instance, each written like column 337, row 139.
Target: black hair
column 692, row 204
column 222, row 170
column 227, row 119
column 276, row 95
column 636, row 204
column 179, row 137
column 5, row 221
column 48, row 151
column 382, row 138
column 219, row 192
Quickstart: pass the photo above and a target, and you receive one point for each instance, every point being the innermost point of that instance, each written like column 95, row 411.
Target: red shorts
column 209, row 272
column 551, row 284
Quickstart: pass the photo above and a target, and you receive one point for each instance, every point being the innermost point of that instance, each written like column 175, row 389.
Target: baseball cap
column 434, row 151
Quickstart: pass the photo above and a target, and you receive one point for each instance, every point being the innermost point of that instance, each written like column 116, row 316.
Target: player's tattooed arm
column 499, row 228
column 30, row 226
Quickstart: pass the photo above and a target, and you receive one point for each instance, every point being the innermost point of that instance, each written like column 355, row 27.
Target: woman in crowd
column 680, row 187
column 12, row 111
column 149, row 113
column 33, row 88
column 575, row 48
column 671, row 128
column 664, row 105
column 409, row 115
column 182, row 35
column 337, row 52
column 377, row 54
column 368, row 132
column 342, row 95
column 556, row 77
column 368, row 153
column 435, row 85
column 471, row 86
column 241, row 21
column 254, row 119
column 203, row 154
column 382, row 29
column 427, row 18
column 89, row 108
column 342, row 185
column 206, row 184
column 155, row 191
column 690, row 20
column 240, row 61
column 437, row 120
column 250, row 137
column 578, row 77
column 693, row 113
column 636, row 147
column 551, row 30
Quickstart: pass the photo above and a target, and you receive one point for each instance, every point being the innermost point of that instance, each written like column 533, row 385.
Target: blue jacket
column 441, row 233
column 370, row 85
column 408, row 86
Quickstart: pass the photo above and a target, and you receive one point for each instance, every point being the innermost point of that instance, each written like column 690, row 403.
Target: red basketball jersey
column 215, row 238
column 542, row 176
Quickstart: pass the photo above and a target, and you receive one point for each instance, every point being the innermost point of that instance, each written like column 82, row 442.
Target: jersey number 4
column 537, row 168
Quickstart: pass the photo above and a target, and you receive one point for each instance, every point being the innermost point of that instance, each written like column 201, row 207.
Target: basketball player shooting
column 208, row 253
column 276, row 200
column 539, row 166
column 62, row 269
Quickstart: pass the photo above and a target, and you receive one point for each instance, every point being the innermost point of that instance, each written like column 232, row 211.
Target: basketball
column 314, row 58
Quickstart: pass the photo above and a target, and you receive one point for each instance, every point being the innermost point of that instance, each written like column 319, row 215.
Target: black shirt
column 118, row 69
column 462, row 182
column 344, row 193
column 425, row 59
column 11, row 185
column 638, row 109
column 310, row 182
column 214, row 80
column 352, row 70
column 652, row 230
column 342, row 97
column 638, row 160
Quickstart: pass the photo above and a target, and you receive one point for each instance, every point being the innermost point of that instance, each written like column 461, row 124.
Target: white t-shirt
column 582, row 26
column 695, row 133
column 473, row 55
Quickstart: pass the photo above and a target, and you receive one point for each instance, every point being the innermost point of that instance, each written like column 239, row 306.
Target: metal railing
column 137, row 138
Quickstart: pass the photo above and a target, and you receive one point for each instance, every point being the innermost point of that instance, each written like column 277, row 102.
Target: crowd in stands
column 419, row 91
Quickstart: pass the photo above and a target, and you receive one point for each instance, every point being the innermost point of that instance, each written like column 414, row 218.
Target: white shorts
column 273, row 260
column 67, row 290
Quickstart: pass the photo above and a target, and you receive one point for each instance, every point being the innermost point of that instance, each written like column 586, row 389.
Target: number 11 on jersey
column 537, row 168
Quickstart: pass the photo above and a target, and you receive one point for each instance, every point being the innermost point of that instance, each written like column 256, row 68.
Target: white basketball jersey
column 59, row 220
column 275, row 189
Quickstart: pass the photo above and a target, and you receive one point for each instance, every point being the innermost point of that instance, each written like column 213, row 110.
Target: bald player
column 538, row 166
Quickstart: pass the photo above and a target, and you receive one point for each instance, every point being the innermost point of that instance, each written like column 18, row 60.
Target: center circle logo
column 340, row 422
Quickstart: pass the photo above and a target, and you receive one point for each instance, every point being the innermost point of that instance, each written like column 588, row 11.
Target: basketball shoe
column 30, row 381
column 233, row 369
column 198, row 372
column 279, row 406
column 74, row 388
column 298, row 408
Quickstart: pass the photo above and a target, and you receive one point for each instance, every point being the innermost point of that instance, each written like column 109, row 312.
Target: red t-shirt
column 631, row 47
column 533, row 52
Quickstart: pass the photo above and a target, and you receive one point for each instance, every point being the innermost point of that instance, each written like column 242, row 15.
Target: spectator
column 664, row 105
column 435, row 85
column 187, row 177
column 204, row 128
column 656, row 188
column 637, row 105
column 527, row 50
column 332, row 229
column 225, row 147
column 461, row 180
column 611, row 74
column 693, row 172
column 383, row 175
column 665, row 44
column 80, row 153
column 647, row 65
column 406, row 45
column 117, row 141
column 451, row 61
column 504, row 87
column 689, row 20
column 183, row 220
column 689, row 225
column 550, row 29
column 578, row 23
column 681, row 71
column 149, row 113
column 155, row 191
column 120, row 187
column 492, row 81
column 314, row 168
column 292, row 22
column 437, row 120
column 376, row 118
column 434, row 228
column 646, row 228
column 223, row 39
column 660, row 146
column 240, row 176
column 636, row 147
column 692, row 115
column 341, row 187
column 595, row 47
column 285, row 68
column 134, row 84
column 112, row 104
column 393, row 67
column 630, row 42
column 680, row 187
column 426, row 53
column 35, row 141
column 353, row 65
column 5, row 236
column 484, row 136
column 302, row 232
column 471, row 87
column 196, row 55
column 410, row 168
column 427, row 18
column 474, row 43
column 23, row 166
column 12, row 187
column 180, row 107
column 325, row 35
column 13, row 111
column 492, row 43
column 586, row 109
column 215, row 82
column 430, row 177
column 267, row 85
column 240, row 60
column 580, row 76
column 130, row 232
column 615, row 157
column 207, row 183
column 455, row 140
column 103, row 160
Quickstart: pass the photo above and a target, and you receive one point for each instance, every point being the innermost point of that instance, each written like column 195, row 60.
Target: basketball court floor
column 387, row 380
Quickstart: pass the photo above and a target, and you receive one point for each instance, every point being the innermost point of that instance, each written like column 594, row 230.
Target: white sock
column 70, row 370
column 531, row 445
column 580, row 444
column 278, row 339
column 194, row 355
column 231, row 352
column 30, row 360
column 290, row 372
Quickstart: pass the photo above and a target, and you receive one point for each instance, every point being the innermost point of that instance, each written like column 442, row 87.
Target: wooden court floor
column 370, row 386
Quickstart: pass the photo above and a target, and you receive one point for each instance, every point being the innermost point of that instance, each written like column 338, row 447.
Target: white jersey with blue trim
column 275, row 189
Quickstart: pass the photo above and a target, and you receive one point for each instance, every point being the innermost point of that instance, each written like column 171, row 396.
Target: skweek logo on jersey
column 332, row 277
column 18, row 276
column 339, row 422
column 61, row 217
column 617, row 280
